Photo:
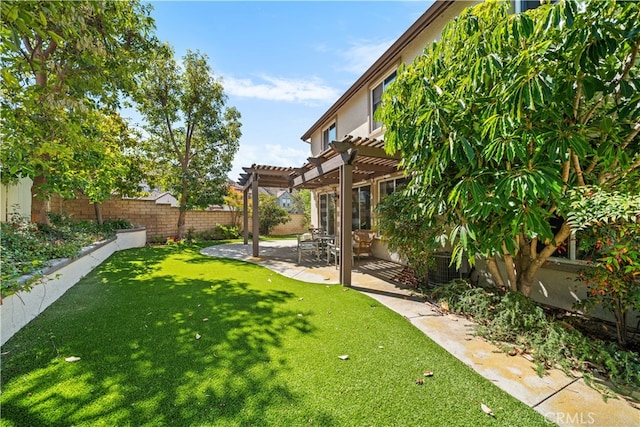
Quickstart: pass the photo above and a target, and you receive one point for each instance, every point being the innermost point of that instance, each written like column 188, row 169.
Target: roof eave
column 387, row 58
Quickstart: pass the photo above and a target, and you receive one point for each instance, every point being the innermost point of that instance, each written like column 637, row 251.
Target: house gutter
column 387, row 58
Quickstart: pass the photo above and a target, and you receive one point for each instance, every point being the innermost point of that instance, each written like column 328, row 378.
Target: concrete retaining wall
column 19, row 309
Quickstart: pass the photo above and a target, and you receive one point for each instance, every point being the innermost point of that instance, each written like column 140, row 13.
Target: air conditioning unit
column 445, row 271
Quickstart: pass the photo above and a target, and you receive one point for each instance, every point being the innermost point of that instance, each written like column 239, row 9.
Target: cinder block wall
column 160, row 220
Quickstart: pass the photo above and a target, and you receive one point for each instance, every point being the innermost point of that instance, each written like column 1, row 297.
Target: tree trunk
column 492, row 265
column 532, row 263
column 39, row 204
column 97, row 207
column 525, row 283
column 182, row 218
column 181, row 224
column 621, row 321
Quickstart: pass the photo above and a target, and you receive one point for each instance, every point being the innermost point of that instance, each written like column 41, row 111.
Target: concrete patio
column 561, row 399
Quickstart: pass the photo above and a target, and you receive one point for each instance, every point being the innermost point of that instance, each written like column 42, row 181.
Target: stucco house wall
column 15, row 199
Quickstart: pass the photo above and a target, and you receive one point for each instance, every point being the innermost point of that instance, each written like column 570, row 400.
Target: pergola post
column 256, row 221
column 245, row 214
column 346, row 249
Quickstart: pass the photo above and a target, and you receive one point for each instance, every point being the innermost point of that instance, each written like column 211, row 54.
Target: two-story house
column 348, row 171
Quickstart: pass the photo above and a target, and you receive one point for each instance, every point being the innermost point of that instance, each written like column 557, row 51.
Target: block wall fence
column 160, row 219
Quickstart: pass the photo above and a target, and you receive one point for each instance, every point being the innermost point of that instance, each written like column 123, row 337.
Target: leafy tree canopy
column 63, row 62
column 270, row 214
column 504, row 114
column 193, row 135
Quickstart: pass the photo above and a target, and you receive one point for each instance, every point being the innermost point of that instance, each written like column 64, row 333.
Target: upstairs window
column 376, row 99
column 328, row 136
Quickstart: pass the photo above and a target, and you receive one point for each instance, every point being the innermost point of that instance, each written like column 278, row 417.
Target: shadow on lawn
column 162, row 342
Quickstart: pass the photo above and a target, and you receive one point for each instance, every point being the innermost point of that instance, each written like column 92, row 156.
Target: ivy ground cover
column 165, row 336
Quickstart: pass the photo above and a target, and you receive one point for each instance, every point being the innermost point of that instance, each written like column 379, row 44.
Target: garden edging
column 19, row 309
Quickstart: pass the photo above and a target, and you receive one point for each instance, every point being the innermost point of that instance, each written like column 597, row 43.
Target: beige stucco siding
column 15, row 198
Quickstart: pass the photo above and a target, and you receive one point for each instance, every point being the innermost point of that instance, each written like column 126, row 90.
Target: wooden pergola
column 347, row 161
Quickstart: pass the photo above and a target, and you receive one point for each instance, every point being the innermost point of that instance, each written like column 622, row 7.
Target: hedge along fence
column 161, row 219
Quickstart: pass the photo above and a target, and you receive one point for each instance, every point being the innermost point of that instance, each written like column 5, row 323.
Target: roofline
column 387, row 58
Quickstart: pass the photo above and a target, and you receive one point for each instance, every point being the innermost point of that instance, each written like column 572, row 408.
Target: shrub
column 270, row 214
column 28, row 248
column 220, row 232
column 411, row 236
column 511, row 319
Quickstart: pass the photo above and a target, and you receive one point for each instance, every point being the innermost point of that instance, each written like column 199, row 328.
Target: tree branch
column 533, row 248
column 578, row 169
column 592, row 166
column 566, row 168
column 576, row 100
column 633, row 134
column 633, row 166
column 492, row 265
column 631, row 62
column 511, row 268
column 592, row 110
column 559, row 238
column 49, row 50
column 27, row 44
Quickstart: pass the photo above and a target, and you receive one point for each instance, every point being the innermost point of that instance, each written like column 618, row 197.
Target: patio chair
column 306, row 243
column 362, row 242
column 333, row 249
column 315, row 232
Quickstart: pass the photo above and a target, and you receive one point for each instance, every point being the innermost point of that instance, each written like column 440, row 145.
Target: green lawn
column 267, row 354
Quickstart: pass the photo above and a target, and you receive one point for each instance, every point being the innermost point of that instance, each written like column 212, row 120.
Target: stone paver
column 563, row 400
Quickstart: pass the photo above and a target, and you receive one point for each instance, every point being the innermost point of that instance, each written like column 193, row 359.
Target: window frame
column 373, row 105
column 357, row 210
column 328, row 221
column 326, row 135
column 403, row 180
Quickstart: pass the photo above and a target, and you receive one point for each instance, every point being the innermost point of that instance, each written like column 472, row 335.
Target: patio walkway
column 563, row 400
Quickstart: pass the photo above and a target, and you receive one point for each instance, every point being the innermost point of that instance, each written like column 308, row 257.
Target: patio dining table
column 324, row 240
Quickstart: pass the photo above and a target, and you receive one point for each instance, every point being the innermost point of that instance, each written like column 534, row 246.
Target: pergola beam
column 256, row 221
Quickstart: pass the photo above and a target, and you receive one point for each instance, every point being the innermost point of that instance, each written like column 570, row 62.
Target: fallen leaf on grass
column 198, row 336
column 72, row 359
column 487, row 410
column 343, row 357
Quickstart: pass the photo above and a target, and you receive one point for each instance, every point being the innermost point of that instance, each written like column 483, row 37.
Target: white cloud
column 268, row 154
column 281, row 89
column 362, row 54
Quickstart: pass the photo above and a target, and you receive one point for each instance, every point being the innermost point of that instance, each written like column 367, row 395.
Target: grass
column 267, row 354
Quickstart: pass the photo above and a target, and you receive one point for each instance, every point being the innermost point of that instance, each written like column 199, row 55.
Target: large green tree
column 63, row 61
column 193, row 135
column 506, row 113
column 113, row 162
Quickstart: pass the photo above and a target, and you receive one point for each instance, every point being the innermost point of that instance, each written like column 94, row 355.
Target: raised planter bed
column 19, row 309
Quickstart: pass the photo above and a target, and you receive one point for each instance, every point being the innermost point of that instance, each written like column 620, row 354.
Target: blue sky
column 283, row 64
